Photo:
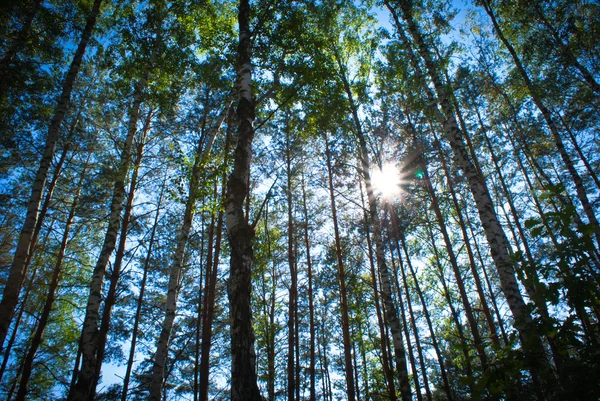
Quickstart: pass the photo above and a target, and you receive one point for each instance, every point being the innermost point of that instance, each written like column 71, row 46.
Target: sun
column 386, row 182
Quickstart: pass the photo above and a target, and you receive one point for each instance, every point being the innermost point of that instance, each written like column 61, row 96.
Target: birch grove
column 334, row 200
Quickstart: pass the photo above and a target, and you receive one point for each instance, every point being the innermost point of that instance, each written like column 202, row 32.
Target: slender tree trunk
column 387, row 366
column 457, row 274
column 269, row 310
column 355, row 366
column 363, row 354
column 434, row 341
column 580, row 153
column 46, row 204
column 205, row 264
column 55, row 280
column 32, row 246
column 297, row 337
column 486, row 277
column 409, row 346
column 17, row 270
column 76, row 367
column 530, row 268
column 291, row 376
column 140, row 299
column 482, row 299
column 84, row 389
column 22, row 311
column 311, row 311
column 453, row 311
column 325, row 378
column 176, row 270
column 211, row 281
column 200, row 306
column 271, row 372
column 411, row 313
column 348, row 368
column 244, row 385
column 111, row 296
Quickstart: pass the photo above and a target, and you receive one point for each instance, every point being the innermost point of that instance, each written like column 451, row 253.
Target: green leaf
column 586, row 229
column 537, row 231
column 529, row 223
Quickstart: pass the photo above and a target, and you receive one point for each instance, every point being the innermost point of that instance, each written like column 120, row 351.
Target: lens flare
column 386, row 182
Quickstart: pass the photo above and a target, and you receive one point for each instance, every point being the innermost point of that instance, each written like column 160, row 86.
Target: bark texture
column 244, row 385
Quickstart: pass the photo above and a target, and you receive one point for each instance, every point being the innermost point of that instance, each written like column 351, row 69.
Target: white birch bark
column 244, row 385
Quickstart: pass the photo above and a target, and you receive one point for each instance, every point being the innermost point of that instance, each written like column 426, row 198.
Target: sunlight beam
column 386, row 182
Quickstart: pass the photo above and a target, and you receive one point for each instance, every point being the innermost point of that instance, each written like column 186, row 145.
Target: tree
column 239, row 230
column 17, row 270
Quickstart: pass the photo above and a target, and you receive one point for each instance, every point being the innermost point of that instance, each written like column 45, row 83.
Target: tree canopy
column 300, row 200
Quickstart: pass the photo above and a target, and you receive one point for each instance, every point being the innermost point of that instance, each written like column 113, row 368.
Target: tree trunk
column 140, row 299
column 434, row 341
column 271, row 352
column 411, row 313
column 486, row 277
column 580, row 153
column 84, row 389
column 176, row 270
column 200, row 304
column 30, row 253
column 387, row 368
column 348, row 368
column 55, row 280
column 111, row 296
column 457, row 274
column 211, row 280
column 17, row 270
column 484, row 305
column 293, row 291
column 29, row 287
column 311, row 311
column 453, row 311
column 244, row 385
column 390, row 307
column 409, row 346
column 496, row 238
